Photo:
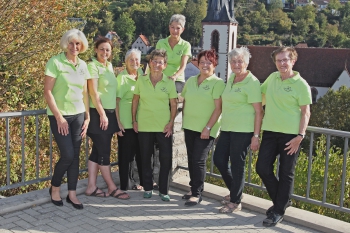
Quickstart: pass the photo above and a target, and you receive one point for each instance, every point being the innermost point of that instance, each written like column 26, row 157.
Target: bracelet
column 133, row 122
column 207, row 127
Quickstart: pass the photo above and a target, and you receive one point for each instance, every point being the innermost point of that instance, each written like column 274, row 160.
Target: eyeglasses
column 283, row 60
column 158, row 62
column 237, row 62
column 203, row 63
column 102, row 50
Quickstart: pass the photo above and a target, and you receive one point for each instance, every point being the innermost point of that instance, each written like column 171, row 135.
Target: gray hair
column 135, row 51
column 237, row 52
column 71, row 35
column 158, row 53
column 181, row 19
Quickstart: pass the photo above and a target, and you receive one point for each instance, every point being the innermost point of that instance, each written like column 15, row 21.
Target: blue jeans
column 280, row 190
column 232, row 146
column 69, row 147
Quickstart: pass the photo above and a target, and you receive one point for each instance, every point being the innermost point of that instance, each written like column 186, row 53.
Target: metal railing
column 5, row 146
column 311, row 131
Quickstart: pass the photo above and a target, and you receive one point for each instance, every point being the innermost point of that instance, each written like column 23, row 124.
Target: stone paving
column 138, row 215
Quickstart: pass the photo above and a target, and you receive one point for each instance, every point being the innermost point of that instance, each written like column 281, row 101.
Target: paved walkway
column 138, row 215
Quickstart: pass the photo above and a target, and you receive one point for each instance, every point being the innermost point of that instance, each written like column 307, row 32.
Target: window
column 215, row 40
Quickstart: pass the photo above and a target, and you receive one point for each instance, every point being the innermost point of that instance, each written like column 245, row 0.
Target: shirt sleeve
column 51, row 68
column 254, row 92
column 305, row 97
column 172, row 93
column 93, row 70
column 264, row 85
column 218, row 89
column 120, row 85
column 187, row 50
column 137, row 87
column 184, row 90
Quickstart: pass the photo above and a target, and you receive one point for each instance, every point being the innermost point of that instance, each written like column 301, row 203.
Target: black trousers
column 232, row 146
column 197, row 153
column 69, row 147
column 146, row 140
column 280, row 190
column 128, row 149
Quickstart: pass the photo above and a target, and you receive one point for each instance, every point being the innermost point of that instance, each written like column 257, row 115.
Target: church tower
column 220, row 33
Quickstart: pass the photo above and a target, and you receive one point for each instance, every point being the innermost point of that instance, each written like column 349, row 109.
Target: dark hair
column 101, row 40
column 209, row 55
column 293, row 55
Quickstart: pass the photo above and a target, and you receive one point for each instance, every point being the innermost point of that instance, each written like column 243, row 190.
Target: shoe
column 164, row 197
column 189, row 203
column 57, row 203
column 187, row 196
column 272, row 219
column 225, row 200
column 122, row 195
column 230, row 209
column 147, row 194
column 269, row 210
column 77, row 206
column 96, row 194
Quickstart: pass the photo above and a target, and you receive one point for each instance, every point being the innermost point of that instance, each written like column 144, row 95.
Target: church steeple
column 220, row 11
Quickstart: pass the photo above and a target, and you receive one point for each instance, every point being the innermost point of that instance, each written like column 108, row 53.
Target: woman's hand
column 254, row 144
column 205, row 133
column 135, row 126
column 121, row 127
column 104, row 122
column 62, row 126
column 172, row 77
column 293, row 145
column 120, row 133
column 168, row 129
column 85, row 127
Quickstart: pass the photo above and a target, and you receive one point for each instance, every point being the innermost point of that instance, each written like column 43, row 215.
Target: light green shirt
column 126, row 87
column 69, row 84
column 174, row 56
column 107, row 83
column 200, row 104
column 283, row 101
column 238, row 113
column 153, row 112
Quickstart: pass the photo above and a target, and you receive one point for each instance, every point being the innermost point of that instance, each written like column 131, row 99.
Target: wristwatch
column 256, row 135
column 207, row 127
column 301, row 135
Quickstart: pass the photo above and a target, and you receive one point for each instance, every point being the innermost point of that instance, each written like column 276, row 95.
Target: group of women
column 141, row 109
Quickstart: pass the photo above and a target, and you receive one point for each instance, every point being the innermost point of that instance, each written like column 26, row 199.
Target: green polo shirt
column 200, row 104
column 126, row 87
column 154, row 112
column 107, row 83
column 283, row 101
column 69, row 85
column 238, row 113
column 174, row 56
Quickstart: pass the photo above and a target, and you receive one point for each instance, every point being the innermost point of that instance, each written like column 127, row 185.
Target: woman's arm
column 95, row 98
column 62, row 124
column 257, row 126
column 87, row 113
column 168, row 129
column 213, row 119
column 293, row 145
column 182, row 68
column 134, row 106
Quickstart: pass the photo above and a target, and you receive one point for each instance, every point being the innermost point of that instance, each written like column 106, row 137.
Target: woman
column 287, row 114
column 240, row 126
column 128, row 143
column 178, row 51
column 202, row 108
column 102, row 89
column 65, row 92
column 153, row 120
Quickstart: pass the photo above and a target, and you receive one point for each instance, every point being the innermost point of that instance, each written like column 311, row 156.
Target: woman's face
column 283, row 62
column 175, row 29
column 205, row 66
column 157, row 64
column 74, row 47
column 238, row 66
column 103, row 52
column 132, row 62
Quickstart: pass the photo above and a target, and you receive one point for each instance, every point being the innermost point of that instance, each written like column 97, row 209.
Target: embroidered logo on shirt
column 179, row 53
column 237, row 90
column 287, row 89
column 163, row 89
column 81, row 72
column 206, row 87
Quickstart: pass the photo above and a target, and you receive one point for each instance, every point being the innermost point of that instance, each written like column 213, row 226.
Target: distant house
column 343, row 80
column 111, row 35
column 195, row 50
column 321, row 4
column 302, row 2
column 142, row 44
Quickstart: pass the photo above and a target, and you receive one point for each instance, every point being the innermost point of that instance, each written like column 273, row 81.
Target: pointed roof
column 220, row 11
column 145, row 40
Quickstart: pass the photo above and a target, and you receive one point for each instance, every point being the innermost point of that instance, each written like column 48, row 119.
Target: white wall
column 343, row 80
column 140, row 45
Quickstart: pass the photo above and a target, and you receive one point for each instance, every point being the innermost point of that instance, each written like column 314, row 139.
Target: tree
column 302, row 27
column 101, row 23
column 125, row 28
column 334, row 5
column 195, row 13
column 345, row 27
column 275, row 4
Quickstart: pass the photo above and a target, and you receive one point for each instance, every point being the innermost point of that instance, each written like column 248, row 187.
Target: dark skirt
column 94, row 125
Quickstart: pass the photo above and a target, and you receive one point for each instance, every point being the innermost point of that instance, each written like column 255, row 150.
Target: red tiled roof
column 318, row 66
column 145, row 40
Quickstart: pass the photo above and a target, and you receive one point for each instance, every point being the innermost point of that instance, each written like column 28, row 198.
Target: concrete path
column 138, row 215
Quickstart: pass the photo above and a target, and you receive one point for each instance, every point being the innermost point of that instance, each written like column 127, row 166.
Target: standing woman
column 178, row 51
column 202, row 109
column 65, row 92
column 128, row 143
column 240, row 126
column 287, row 114
column 153, row 120
column 103, row 93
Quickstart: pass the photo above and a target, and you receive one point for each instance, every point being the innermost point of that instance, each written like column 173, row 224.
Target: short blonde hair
column 237, row 52
column 293, row 55
column 74, row 34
